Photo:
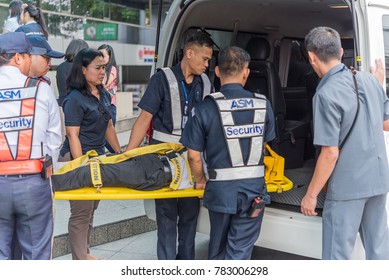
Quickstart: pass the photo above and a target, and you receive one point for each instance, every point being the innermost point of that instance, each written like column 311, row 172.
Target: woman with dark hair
column 33, row 21
column 12, row 22
column 88, row 123
column 64, row 68
column 111, row 79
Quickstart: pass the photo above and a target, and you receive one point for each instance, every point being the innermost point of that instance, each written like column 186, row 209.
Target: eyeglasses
column 104, row 113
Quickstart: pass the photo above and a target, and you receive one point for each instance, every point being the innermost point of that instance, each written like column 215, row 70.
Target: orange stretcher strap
column 15, row 167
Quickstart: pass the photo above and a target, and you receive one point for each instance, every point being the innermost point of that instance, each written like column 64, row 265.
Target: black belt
column 18, row 175
column 167, row 171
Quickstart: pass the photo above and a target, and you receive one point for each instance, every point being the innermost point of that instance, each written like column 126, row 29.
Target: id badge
column 184, row 120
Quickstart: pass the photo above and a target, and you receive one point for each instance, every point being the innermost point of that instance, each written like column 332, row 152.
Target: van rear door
column 373, row 21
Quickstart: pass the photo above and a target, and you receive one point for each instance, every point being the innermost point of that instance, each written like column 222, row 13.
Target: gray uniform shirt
column 362, row 168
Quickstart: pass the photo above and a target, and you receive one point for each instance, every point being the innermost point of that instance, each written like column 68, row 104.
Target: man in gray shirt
column 358, row 175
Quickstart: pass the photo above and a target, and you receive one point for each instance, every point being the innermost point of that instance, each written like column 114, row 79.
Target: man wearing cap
column 30, row 128
column 40, row 64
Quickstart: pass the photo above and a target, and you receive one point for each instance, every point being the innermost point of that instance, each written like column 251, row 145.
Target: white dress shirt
column 46, row 123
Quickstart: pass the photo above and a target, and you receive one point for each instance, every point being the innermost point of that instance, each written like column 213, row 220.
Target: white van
column 273, row 32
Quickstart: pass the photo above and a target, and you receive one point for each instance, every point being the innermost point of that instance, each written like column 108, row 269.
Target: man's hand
column 196, row 166
column 308, row 205
column 139, row 130
column 200, row 185
column 324, row 167
column 379, row 71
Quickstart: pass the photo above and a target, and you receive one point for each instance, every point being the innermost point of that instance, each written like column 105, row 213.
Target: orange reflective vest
column 22, row 123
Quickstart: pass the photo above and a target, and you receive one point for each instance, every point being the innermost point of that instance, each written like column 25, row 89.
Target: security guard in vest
column 40, row 65
column 30, row 137
column 231, row 127
column 166, row 104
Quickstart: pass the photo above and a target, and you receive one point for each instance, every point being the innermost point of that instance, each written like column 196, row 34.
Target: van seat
column 264, row 79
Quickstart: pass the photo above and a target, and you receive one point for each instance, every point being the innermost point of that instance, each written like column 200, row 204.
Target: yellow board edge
column 108, row 193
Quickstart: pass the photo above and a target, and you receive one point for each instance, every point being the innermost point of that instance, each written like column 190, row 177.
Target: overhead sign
column 145, row 54
column 101, row 32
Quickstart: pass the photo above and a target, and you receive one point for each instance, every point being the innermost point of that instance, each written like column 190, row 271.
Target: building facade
column 129, row 26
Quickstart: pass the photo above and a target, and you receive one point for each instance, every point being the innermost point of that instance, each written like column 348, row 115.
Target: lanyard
column 186, row 95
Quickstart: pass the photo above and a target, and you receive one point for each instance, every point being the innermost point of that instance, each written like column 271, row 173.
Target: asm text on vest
column 242, row 103
column 9, row 94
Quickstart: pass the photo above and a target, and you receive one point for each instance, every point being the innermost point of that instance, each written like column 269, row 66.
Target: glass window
column 299, row 68
column 127, row 22
column 3, row 16
column 130, row 22
column 99, row 9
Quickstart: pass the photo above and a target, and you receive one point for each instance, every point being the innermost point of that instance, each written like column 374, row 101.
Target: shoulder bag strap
column 354, row 72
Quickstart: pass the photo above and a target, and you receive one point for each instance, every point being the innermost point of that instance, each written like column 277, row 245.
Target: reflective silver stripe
column 217, row 95
column 255, row 155
column 16, row 94
column 236, row 157
column 259, row 116
column 174, row 97
column 227, row 118
column 260, row 96
column 233, row 133
column 165, row 137
column 206, row 85
column 241, row 104
column 238, row 173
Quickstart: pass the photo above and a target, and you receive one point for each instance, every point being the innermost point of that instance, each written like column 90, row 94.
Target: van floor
column 291, row 199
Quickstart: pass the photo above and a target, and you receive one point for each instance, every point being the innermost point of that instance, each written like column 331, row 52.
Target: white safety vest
column 233, row 133
column 21, row 123
column 176, row 108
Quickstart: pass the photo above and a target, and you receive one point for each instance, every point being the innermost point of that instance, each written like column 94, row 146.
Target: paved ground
column 144, row 246
column 141, row 246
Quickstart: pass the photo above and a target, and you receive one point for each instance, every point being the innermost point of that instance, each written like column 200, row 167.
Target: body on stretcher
column 123, row 186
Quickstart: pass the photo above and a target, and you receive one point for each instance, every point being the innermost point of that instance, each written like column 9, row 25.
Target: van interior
column 273, row 32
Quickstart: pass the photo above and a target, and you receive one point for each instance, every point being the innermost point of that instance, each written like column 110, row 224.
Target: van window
column 299, row 67
column 385, row 24
column 222, row 39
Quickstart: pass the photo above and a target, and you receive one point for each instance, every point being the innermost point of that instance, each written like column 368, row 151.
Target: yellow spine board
column 108, row 193
column 274, row 172
column 274, row 176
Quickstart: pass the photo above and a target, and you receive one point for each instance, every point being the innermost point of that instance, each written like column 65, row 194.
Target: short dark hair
column 5, row 58
column 324, row 42
column 232, row 61
column 76, row 79
column 199, row 38
column 73, row 48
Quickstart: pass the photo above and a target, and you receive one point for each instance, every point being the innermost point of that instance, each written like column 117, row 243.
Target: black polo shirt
column 91, row 115
column 204, row 133
column 156, row 99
